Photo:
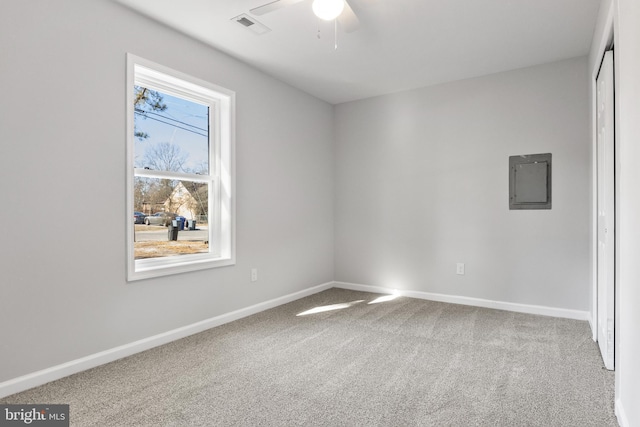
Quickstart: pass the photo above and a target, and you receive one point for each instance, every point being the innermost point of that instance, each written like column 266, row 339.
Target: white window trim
column 221, row 178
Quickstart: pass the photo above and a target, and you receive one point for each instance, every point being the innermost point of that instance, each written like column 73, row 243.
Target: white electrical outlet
column 460, row 268
column 254, row 274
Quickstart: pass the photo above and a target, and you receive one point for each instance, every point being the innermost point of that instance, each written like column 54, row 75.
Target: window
column 180, row 174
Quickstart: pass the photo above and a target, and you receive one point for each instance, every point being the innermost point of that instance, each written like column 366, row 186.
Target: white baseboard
column 44, row 376
column 623, row 421
column 476, row 302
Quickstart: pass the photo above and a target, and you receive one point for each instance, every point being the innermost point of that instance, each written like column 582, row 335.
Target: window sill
column 146, row 270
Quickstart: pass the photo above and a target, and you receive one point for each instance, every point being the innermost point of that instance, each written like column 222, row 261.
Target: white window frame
column 221, row 178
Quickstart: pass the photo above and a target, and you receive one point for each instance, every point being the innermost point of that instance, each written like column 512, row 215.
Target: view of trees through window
column 171, row 179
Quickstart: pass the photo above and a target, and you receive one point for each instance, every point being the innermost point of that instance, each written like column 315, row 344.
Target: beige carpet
column 401, row 362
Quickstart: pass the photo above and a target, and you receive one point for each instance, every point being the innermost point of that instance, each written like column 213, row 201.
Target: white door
column 606, row 209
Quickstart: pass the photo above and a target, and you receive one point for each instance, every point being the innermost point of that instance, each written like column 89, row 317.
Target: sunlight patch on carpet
column 332, row 307
column 384, row 298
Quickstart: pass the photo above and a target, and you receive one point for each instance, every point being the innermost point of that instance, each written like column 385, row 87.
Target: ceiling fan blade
column 270, row 7
column 348, row 19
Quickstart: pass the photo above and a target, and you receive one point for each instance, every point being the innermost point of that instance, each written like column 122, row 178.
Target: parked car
column 138, row 217
column 160, row 218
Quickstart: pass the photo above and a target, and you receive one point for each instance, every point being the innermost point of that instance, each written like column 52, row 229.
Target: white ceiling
column 401, row 44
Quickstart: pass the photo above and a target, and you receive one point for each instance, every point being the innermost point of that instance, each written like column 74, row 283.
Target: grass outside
column 157, row 249
column 161, row 249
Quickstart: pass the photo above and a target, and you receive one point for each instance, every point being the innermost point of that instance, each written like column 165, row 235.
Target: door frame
column 606, row 197
column 605, row 44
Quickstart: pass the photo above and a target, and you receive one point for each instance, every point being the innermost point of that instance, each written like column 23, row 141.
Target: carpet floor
column 347, row 358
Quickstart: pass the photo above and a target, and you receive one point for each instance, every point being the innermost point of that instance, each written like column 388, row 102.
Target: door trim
column 605, row 43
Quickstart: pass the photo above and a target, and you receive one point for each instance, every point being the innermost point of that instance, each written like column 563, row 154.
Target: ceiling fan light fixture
column 327, row 9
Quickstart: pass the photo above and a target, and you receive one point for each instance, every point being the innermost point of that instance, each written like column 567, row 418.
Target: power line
column 141, row 111
column 171, row 124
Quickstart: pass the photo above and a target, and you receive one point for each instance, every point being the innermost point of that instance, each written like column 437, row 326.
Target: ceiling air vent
column 251, row 24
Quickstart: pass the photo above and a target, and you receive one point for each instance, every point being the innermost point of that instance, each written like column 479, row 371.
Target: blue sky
column 183, row 123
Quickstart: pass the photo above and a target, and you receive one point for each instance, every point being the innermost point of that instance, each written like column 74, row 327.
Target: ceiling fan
column 324, row 9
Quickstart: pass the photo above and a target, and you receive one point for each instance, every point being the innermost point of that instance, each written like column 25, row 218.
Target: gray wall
column 422, row 183
column 62, row 176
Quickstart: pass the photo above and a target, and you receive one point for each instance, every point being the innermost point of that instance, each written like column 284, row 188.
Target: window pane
column 161, row 201
column 171, row 133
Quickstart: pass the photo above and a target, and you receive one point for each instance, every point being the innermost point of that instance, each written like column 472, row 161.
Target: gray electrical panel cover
column 530, row 181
